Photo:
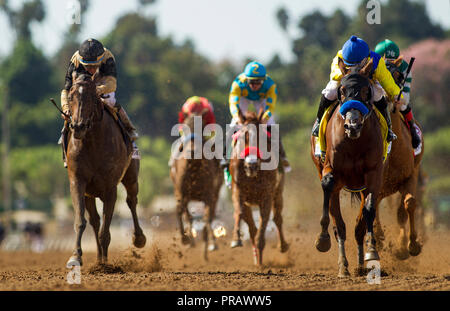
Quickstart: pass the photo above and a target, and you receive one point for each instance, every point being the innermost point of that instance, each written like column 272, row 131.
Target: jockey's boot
column 323, row 105
column 63, row 142
column 382, row 106
column 127, row 124
column 415, row 139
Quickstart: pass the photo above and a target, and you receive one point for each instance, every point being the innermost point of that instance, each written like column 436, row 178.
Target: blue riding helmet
column 255, row 70
column 354, row 51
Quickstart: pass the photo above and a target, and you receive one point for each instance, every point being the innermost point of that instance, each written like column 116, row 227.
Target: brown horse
column 401, row 174
column 196, row 179
column 252, row 185
column 354, row 159
column 98, row 160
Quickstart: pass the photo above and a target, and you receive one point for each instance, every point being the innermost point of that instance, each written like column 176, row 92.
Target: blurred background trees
column 156, row 75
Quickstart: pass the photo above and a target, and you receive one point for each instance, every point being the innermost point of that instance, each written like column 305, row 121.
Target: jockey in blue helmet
column 355, row 51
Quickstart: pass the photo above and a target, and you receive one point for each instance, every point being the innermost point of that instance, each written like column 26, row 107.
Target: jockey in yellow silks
column 355, row 51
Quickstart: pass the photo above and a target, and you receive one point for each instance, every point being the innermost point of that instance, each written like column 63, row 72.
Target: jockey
column 354, row 51
column 253, row 86
column 194, row 104
column 93, row 58
column 395, row 63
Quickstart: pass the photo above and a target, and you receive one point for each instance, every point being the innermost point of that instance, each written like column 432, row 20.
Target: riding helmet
column 91, row 52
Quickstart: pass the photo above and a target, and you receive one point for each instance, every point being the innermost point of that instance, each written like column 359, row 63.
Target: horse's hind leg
column 105, row 235
column 78, row 200
column 339, row 233
column 409, row 201
column 94, row 220
column 278, row 220
column 210, row 211
column 237, row 216
column 130, row 181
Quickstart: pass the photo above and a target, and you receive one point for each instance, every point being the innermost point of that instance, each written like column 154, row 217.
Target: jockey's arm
column 407, row 86
column 336, row 73
column 67, row 85
column 386, row 80
column 108, row 82
column 235, row 96
column 271, row 101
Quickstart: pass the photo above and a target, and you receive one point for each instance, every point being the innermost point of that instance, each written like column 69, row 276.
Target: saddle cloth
column 320, row 142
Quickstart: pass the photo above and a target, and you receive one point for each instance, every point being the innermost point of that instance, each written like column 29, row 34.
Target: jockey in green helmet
column 398, row 67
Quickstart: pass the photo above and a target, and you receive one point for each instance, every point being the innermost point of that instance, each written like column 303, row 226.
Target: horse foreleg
column 369, row 213
column 402, row 217
column 94, row 220
column 77, row 191
column 264, row 211
column 323, row 242
column 209, row 216
column 360, row 232
column 340, row 233
column 105, row 235
column 278, row 220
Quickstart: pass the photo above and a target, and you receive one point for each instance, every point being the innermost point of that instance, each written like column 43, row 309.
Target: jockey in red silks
column 195, row 104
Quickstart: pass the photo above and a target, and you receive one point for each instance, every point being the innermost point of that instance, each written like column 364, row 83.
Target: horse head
column 84, row 105
column 249, row 150
column 354, row 96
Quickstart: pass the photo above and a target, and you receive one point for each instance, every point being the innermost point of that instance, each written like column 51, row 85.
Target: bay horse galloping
column 354, row 159
column 195, row 179
column 98, row 159
column 401, row 174
column 252, row 185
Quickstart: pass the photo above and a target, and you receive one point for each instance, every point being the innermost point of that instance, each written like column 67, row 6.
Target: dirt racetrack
column 164, row 264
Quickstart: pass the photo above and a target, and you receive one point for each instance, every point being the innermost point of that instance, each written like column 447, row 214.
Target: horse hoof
column 323, row 243
column 371, row 255
column 236, row 243
column 343, row 272
column 74, row 261
column 139, row 240
column 360, row 271
column 186, row 240
column 212, row 247
column 401, row 254
column 414, row 248
column 284, row 247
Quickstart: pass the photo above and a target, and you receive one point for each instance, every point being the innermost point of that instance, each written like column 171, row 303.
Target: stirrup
column 315, row 129
column 391, row 136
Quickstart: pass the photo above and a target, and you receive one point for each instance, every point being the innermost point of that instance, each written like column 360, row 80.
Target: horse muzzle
column 353, row 131
column 251, row 166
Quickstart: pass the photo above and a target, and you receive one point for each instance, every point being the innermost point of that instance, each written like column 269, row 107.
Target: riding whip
column 62, row 112
column 411, row 62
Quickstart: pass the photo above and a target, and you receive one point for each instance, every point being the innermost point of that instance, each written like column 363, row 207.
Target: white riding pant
column 243, row 106
column 330, row 91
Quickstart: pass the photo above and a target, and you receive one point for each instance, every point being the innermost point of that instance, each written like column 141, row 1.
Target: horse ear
column 342, row 67
column 260, row 114
column 367, row 69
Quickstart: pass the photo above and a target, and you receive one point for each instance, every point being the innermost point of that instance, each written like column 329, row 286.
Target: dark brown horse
column 196, row 179
column 98, row 160
column 401, row 174
column 354, row 159
column 252, row 185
